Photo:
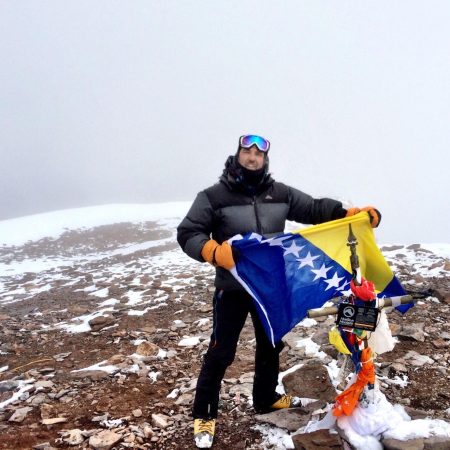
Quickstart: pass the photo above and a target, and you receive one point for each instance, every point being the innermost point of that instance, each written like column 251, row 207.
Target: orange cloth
column 347, row 401
column 365, row 291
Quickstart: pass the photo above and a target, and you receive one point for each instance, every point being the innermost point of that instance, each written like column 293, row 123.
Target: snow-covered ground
column 50, row 269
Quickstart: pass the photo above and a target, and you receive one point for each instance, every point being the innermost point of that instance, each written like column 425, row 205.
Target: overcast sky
column 142, row 101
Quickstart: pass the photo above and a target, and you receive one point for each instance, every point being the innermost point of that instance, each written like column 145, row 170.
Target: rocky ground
column 137, row 319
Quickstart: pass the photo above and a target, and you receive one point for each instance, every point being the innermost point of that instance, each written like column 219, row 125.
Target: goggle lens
column 250, row 139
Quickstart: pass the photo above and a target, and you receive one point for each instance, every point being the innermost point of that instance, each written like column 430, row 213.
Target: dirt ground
column 32, row 348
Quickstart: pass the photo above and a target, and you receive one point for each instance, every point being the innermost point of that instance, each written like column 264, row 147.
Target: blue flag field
column 291, row 273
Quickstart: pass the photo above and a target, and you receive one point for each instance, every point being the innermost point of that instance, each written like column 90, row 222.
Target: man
column 246, row 199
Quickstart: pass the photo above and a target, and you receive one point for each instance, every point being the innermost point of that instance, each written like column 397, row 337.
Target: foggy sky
column 141, row 102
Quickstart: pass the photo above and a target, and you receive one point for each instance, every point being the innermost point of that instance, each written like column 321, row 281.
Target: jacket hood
column 233, row 176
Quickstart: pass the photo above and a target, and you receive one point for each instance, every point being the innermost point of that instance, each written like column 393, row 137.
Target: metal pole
column 381, row 303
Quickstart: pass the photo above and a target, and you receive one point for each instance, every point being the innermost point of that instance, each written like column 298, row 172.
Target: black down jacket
column 226, row 209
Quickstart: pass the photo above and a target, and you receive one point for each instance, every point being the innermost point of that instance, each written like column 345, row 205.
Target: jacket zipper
column 258, row 223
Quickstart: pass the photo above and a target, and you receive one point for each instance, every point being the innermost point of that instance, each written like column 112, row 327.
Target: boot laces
column 283, row 402
column 205, row 426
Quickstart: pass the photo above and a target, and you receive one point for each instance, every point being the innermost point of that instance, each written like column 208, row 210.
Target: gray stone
column 245, row 389
column 147, row 349
column 44, row 446
column 73, row 437
column 105, row 440
column 20, row 414
column 43, row 385
column 54, row 420
column 396, row 444
column 417, row 360
column 412, row 332
column 9, row 385
column 93, row 375
column 317, row 440
column 38, row 399
column 184, row 399
column 160, row 421
column 437, row 443
column 290, row 419
column 310, row 381
column 100, row 322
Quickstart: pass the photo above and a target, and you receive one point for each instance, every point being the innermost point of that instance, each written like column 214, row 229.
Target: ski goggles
column 248, row 140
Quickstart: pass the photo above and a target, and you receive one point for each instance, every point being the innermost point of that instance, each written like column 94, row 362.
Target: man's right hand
column 218, row 254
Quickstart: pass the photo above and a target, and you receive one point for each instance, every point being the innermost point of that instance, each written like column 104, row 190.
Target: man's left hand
column 374, row 214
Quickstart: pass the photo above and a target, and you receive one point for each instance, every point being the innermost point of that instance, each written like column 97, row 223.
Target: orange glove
column 218, row 255
column 352, row 212
column 375, row 215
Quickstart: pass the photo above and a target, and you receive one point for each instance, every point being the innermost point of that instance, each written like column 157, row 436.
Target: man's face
column 251, row 158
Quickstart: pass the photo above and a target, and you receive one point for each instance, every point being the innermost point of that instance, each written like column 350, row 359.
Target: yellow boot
column 285, row 401
column 204, row 432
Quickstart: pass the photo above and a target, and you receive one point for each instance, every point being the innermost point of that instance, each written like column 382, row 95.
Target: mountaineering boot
column 204, row 432
column 284, row 401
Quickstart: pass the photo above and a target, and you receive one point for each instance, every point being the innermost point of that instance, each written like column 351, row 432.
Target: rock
column 104, row 440
column 148, row 432
column 54, row 420
column 94, row 375
column 417, row 360
column 117, row 359
column 160, row 421
column 395, row 444
column 44, row 446
column 317, row 440
column 290, row 419
column 20, row 414
column 100, row 322
column 399, row 367
column 442, row 294
column 61, row 356
column 320, row 336
column 184, row 399
column 437, row 443
column 147, row 349
column 412, row 332
column 245, row 389
column 46, row 411
column 189, row 386
column 310, row 381
column 9, row 385
column 440, row 343
column 38, row 399
column 137, row 412
column 417, row 413
column 206, row 308
column 43, row 385
column 73, row 437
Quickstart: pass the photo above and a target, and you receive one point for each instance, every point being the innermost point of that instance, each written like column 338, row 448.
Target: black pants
column 230, row 312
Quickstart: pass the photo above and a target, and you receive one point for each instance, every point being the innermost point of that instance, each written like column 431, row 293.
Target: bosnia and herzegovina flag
column 291, row 273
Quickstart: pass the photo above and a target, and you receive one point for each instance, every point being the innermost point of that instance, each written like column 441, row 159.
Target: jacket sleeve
column 308, row 210
column 195, row 229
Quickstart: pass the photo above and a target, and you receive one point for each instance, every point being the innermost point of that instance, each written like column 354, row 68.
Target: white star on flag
column 307, row 260
column 321, row 273
column 275, row 241
column 333, row 282
column 293, row 249
column 341, row 288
